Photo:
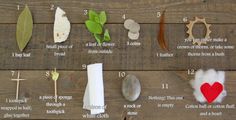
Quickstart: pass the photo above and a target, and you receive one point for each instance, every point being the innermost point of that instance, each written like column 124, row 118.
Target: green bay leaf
column 93, row 27
column 24, row 28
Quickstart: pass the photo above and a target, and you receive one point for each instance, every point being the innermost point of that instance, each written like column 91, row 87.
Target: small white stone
column 61, row 26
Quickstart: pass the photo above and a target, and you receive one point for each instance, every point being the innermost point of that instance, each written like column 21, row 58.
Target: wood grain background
column 142, row 61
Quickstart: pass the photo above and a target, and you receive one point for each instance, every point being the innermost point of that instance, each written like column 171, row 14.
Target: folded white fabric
column 94, row 92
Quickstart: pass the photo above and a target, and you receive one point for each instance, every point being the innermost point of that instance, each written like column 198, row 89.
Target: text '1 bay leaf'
column 24, row 28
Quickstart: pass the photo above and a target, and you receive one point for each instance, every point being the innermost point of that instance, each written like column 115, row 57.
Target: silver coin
column 133, row 36
column 134, row 27
column 131, row 88
column 128, row 23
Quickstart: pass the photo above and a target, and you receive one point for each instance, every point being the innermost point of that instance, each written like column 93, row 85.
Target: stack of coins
column 133, row 28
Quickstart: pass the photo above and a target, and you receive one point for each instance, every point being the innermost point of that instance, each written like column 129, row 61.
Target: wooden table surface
column 143, row 61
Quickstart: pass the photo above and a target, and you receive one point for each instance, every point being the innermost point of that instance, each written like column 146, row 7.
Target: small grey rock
column 131, row 88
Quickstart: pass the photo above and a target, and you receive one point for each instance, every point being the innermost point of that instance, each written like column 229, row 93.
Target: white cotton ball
column 221, row 79
column 197, row 84
column 221, row 76
column 211, row 76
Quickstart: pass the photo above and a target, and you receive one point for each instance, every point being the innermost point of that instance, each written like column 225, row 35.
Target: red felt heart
column 211, row 92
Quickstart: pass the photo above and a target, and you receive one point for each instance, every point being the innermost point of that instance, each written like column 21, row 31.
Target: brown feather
column 161, row 35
